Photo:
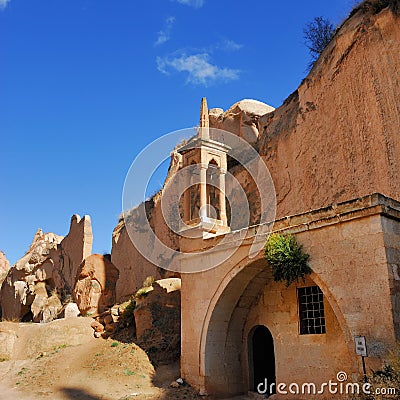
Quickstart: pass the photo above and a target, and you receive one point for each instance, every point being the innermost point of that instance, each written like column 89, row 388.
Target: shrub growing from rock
column 286, row 257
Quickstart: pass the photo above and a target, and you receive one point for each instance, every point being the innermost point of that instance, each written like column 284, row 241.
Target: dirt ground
column 103, row 369
column 95, row 369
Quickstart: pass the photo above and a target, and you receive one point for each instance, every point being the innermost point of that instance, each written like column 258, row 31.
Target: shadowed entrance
column 224, row 372
column 262, row 359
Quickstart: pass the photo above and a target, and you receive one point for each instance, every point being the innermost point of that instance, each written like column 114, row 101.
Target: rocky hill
column 38, row 284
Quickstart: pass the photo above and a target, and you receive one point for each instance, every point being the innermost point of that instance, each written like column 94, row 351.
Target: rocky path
column 62, row 361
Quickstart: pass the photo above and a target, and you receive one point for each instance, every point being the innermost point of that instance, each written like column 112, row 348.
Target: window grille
column 311, row 310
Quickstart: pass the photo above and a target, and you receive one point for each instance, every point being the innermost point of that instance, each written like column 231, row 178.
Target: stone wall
column 298, row 358
column 392, row 244
column 349, row 260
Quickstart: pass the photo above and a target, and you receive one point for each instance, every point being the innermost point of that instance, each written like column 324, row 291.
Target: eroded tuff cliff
column 338, row 136
column 4, row 264
column 38, row 283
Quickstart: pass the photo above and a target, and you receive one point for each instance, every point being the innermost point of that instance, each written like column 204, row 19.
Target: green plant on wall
column 287, row 258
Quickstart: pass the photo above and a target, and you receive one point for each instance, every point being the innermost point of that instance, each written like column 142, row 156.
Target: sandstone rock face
column 44, row 308
column 157, row 319
column 71, row 311
column 241, row 119
column 4, row 264
column 75, row 247
column 8, row 339
column 35, row 286
column 17, row 292
column 24, row 341
column 95, row 284
column 134, row 268
column 337, row 137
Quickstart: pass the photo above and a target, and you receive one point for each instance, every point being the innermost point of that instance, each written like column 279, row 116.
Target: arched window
column 194, row 195
column 213, row 210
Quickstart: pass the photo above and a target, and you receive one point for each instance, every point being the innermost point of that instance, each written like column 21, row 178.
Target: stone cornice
column 374, row 204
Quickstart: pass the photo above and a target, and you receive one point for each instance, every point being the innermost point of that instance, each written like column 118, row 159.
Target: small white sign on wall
column 361, row 346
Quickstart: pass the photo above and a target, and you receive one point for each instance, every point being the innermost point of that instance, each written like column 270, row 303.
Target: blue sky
column 85, row 85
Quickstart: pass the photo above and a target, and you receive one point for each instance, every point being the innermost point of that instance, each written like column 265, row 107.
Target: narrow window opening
column 212, row 190
column 311, row 310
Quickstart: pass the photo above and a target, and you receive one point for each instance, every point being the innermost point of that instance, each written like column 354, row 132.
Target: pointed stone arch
column 224, row 362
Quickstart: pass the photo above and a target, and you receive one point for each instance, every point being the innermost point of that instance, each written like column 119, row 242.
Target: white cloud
column 229, row 45
column 200, row 71
column 223, row 44
column 3, row 4
column 192, row 3
column 165, row 34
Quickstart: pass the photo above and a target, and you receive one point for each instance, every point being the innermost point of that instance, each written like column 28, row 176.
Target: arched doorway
column 229, row 327
column 262, row 360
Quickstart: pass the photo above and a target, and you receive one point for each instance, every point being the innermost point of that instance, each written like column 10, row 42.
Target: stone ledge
column 374, row 204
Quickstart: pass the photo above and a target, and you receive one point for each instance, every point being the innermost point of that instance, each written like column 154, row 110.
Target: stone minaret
column 206, row 161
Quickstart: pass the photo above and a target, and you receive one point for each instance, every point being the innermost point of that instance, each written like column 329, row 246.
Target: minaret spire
column 204, row 199
column 204, row 120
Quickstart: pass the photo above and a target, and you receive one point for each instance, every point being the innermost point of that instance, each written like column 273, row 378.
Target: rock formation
column 106, row 323
column 337, row 136
column 157, row 319
column 38, row 283
column 241, row 119
column 132, row 265
column 75, row 247
column 71, row 311
column 30, row 341
column 95, row 284
column 4, row 264
column 18, row 290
